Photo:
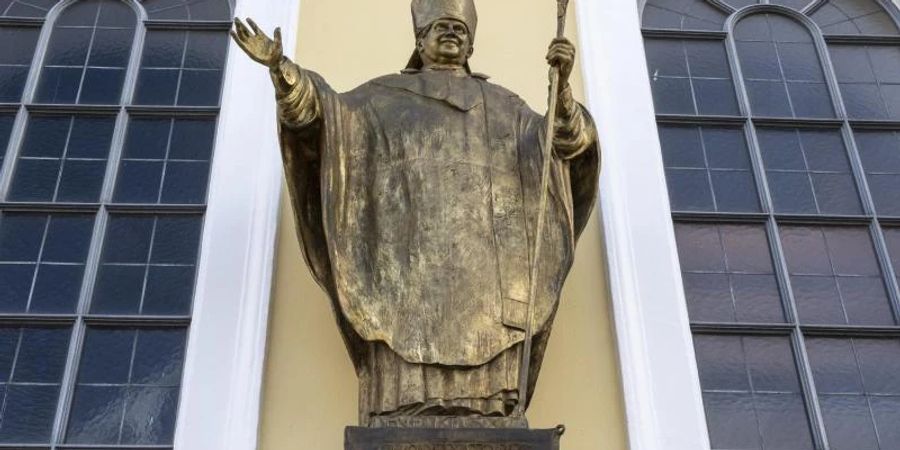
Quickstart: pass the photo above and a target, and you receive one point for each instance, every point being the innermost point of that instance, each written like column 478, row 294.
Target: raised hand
column 256, row 44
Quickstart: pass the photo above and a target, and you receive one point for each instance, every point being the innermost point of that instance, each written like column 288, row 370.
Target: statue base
column 360, row 438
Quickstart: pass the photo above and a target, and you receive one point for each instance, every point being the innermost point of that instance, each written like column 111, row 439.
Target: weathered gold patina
column 417, row 197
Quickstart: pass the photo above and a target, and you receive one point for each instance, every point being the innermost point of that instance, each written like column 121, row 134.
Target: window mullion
column 12, row 151
column 801, row 357
column 67, row 387
column 887, row 267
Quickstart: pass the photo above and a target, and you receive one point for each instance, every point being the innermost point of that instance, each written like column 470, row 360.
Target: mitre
column 425, row 12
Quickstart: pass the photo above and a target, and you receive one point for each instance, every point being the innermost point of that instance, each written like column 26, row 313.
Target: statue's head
column 445, row 33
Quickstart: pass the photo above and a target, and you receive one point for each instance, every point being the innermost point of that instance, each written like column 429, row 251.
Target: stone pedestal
column 358, row 438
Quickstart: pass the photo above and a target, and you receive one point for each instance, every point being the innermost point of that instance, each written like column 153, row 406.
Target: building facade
column 736, row 289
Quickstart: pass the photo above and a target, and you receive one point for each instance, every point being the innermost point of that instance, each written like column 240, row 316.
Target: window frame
column 219, row 405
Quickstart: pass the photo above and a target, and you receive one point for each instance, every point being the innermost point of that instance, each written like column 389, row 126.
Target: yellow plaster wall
column 310, row 390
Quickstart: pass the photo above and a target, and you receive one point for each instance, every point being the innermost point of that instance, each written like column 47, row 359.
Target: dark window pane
column 783, row 422
column 96, row 415
column 6, row 124
column 137, row 279
column 141, row 373
column 769, row 98
column 867, row 79
column 206, row 50
column 59, row 85
column 853, row 17
column 193, row 139
column 41, row 262
column 672, row 95
column 781, row 67
column 700, row 248
column 157, row 87
column 21, row 236
column 56, row 289
column 176, row 240
column 81, row 181
column 111, row 48
column 83, row 13
column 34, row 180
column 735, row 191
column 15, row 58
column 15, row 286
column 707, row 59
column 71, row 74
column 835, row 276
column 810, row 99
column 118, row 289
column 169, row 290
column 759, row 60
column 164, row 49
column 791, row 192
column 818, row 300
column 685, row 73
column 91, row 137
column 726, row 148
column 715, row 97
column 852, row 64
column 856, row 379
column 79, row 147
column 139, row 181
column 147, row 138
column 128, row 239
column 150, row 415
column 46, row 136
column 728, row 273
column 29, row 413
column 885, row 62
column 32, row 383
column 106, row 357
column 892, row 239
column 695, row 158
column 12, row 81
column 683, row 15
column 200, row 87
column 20, row 8
column 732, row 421
column 185, row 182
column 69, row 47
column 102, row 86
column 188, row 9
column 116, row 14
column 681, row 147
column 863, row 101
column 41, row 356
column 689, row 190
column 158, row 358
column 809, row 171
column 763, row 400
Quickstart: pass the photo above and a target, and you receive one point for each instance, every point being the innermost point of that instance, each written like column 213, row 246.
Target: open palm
column 256, row 44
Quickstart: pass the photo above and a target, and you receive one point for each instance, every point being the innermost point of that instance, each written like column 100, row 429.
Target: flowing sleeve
column 575, row 130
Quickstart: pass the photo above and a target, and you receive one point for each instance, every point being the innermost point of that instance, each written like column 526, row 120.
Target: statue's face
column 447, row 42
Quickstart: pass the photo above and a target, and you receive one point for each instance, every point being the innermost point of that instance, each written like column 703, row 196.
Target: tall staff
column 525, row 366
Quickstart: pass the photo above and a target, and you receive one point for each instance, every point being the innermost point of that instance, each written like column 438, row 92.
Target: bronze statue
column 417, row 197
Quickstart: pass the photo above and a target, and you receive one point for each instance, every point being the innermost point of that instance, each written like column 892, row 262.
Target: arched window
column 108, row 113
column 778, row 122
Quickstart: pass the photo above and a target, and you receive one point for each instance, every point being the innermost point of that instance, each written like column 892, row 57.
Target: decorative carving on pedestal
column 357, row 438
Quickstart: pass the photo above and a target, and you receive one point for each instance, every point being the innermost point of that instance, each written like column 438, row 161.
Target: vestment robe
column 416, row 198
